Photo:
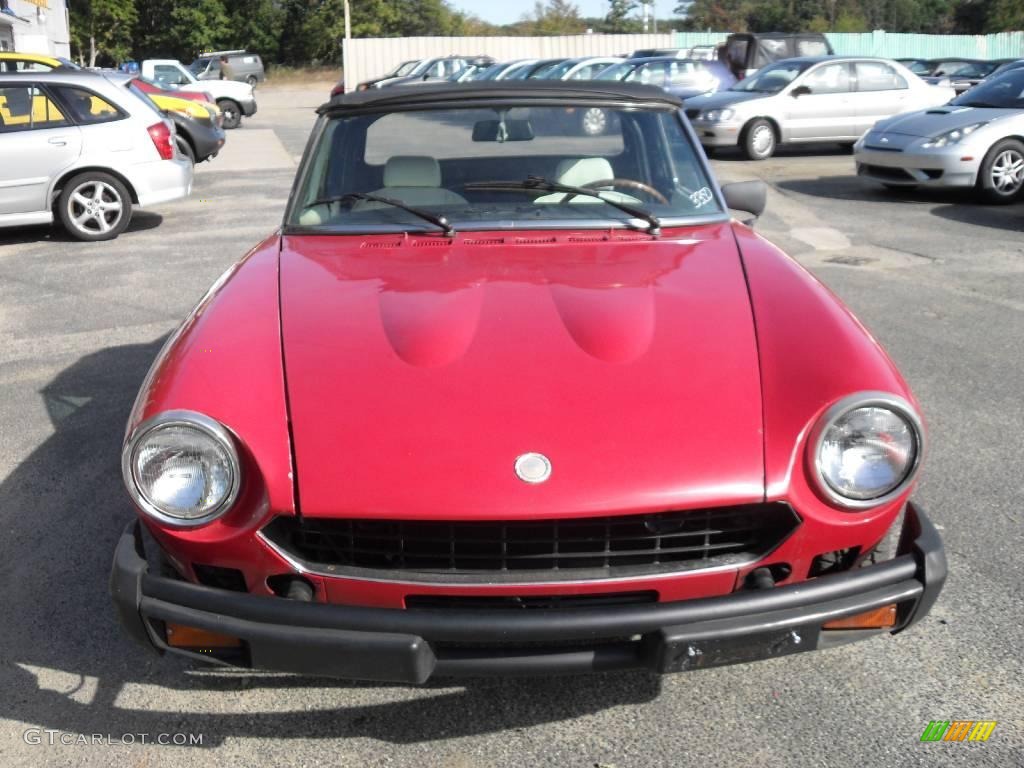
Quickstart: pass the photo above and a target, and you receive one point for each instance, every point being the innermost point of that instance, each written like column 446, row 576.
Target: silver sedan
column 812, row 99
column 973, row 142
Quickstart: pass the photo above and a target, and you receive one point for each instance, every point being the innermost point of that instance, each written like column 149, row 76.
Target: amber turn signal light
column 876, row 618
column 180, row 636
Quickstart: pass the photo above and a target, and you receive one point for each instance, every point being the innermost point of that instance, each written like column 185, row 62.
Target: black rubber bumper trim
column 411, row 645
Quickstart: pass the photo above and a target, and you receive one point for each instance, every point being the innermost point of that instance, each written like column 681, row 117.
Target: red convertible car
column 503, row 399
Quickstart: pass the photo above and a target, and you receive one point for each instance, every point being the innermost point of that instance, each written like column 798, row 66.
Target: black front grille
column 535, row 550
column 884, row 172
column 530, row 602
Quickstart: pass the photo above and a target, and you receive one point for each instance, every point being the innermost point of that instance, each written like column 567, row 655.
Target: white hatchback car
column 76, row 147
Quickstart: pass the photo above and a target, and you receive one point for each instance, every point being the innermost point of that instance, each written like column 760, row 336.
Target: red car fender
column 813, row 352
column 225, row 362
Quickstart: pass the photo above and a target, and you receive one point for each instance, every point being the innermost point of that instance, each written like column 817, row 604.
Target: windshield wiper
column 540, row 184
column 437, row 221
column 976, row 105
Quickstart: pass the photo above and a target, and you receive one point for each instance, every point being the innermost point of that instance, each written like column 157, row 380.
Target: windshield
column 1005, row 91
column 616, row 71
column 404, row 68
column 979, row 69
column 559, row 72
column 199, row 65
column 772, row 78
column 496, row 168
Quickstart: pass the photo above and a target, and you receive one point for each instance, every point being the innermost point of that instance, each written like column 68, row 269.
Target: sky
column 507, row 11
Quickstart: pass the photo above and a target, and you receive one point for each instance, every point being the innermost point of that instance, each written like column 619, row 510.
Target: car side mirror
column 747, row 196
column 800, row 90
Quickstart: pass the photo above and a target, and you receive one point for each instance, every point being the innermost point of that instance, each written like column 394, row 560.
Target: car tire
column 759, row 140
column 232, row 113
column 1001, row 177
column 594, row 121
column 94, row 206
column 185, row 148
column 252, row 80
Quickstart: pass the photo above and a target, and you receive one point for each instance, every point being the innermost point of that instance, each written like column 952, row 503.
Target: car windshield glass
column 405, row 69
column 1005, row 92
column 557, row 73
column 616, row 71
column 772, row 78
column 198, row 66
column 489, row 73
column 67, row 63
column 501, row 167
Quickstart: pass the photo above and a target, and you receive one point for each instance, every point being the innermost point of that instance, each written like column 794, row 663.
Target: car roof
column 42, row 58
column 560, row 91
column 60, row 76
column 655, row 59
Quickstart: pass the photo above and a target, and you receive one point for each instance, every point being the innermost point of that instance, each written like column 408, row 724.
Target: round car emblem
column 533, row 468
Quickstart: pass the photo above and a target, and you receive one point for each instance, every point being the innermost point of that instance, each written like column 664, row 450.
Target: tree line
column 299, row 32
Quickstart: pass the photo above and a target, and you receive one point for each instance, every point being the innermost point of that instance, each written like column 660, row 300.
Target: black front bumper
column 414, row 644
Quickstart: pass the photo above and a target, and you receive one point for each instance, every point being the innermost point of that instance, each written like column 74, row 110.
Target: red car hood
column 419, row 369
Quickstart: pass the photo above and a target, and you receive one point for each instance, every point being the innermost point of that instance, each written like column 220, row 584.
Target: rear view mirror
column 800, row 90
column 503, row 130
column 747, row 196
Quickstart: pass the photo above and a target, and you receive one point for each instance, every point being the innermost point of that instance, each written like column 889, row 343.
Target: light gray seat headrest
column 412, row 171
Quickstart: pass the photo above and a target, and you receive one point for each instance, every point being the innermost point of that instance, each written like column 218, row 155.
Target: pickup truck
column 234, row 99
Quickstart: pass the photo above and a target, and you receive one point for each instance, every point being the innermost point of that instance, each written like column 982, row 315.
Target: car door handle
column 59, row 141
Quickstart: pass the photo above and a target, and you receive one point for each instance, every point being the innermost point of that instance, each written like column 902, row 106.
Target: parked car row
column 83, row 148
column 83, row 140
column 904, row 119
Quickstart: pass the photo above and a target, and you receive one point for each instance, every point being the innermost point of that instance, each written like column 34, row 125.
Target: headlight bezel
column 839, row 410
column 718, row 115
column 942, row 140
column 195, row 420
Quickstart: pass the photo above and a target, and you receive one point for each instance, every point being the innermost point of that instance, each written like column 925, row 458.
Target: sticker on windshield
column 701, row 197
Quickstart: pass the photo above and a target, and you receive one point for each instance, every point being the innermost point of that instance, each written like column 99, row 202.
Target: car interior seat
column 415, row 180
column 412, row 179
column 581, row 171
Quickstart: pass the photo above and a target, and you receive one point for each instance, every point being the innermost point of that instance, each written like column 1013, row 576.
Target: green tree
column 557, row 17
column 199, row 25
column 102, row 29
column 717, row 15
column 1004, row 16
column 617, row 20
column 255, row 25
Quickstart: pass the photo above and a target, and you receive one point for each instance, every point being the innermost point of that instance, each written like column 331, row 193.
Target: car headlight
column 182, row 468
column 952, row 137
column 717, row 115
column 866, row 449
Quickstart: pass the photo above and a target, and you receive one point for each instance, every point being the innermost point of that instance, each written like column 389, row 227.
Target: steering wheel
column 625, row 184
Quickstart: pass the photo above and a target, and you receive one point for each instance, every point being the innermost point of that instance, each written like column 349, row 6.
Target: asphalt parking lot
column 937, row 278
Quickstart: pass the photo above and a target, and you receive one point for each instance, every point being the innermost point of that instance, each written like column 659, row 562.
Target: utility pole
column 345, row 50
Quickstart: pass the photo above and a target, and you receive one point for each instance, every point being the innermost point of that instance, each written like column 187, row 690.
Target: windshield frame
column 605, row 222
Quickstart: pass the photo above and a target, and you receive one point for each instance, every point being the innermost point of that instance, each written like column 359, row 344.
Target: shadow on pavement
column 733, row 154
column 852, row 187
column 1008, row 217
column 66, row 665
column 55, row 233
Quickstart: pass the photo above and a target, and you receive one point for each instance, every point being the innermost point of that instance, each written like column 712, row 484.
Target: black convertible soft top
column 401, row 97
